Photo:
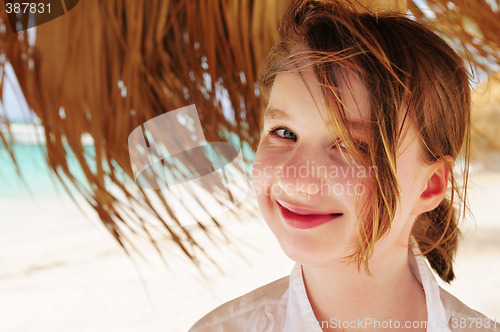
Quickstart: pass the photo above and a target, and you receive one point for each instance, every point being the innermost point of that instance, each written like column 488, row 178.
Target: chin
column 310, row 250
column 312, row 260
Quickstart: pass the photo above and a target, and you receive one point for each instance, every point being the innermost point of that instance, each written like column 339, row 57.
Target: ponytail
column 437, row 235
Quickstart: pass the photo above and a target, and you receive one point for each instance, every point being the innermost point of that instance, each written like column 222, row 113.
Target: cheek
column 264, row 171
column 350, row 184
column 265, row 168
column 361, row 200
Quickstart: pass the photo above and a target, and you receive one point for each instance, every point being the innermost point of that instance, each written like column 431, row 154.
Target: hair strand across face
column 413, row 78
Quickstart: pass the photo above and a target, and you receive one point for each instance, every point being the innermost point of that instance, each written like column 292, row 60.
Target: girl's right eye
column 283, row 133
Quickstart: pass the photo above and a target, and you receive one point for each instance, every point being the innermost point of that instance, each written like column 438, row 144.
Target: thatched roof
column 111, row 65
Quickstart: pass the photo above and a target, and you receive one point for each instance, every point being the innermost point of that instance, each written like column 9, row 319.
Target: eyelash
column 275, row 129
column 362, row 146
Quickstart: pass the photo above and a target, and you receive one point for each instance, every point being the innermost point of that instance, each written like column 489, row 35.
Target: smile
column 301, row 218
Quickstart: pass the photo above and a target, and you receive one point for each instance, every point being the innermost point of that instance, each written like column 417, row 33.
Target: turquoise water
column 36, row 177
column 30, row 159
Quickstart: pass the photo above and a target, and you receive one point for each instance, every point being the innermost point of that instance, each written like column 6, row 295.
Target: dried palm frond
column 108, row 66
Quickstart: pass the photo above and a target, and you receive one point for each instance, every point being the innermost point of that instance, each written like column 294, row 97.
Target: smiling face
column 308, row 187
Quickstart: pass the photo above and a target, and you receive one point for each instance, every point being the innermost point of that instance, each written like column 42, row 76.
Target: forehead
column 302, row 88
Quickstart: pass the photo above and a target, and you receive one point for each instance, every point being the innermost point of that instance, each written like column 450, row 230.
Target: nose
column 302, row 174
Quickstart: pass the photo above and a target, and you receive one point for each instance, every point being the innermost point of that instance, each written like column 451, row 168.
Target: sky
column 14, row 105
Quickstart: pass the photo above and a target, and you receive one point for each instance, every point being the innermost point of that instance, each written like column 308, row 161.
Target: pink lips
column 303, row 218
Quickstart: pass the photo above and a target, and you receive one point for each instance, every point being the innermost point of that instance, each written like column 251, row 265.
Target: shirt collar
column 300, row 314
column 436, row 314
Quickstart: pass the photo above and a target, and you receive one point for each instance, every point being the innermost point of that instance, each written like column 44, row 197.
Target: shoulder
column 463, row 318
column 260, row 310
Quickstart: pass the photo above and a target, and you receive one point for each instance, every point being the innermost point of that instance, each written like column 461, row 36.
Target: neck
column 389, row 291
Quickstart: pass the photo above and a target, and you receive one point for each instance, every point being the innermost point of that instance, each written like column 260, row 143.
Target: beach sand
column 60, row 270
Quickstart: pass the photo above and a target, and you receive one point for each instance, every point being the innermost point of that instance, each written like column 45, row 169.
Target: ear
column 436, row 185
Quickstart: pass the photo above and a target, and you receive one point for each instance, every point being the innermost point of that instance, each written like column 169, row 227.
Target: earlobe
column 437, row 183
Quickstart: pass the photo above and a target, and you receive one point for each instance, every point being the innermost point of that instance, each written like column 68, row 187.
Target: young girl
column 365, row 118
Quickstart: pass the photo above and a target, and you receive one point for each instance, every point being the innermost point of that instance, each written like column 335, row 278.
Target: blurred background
column 82, row 247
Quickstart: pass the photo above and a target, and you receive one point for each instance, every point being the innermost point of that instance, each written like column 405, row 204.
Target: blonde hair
column 413, row 77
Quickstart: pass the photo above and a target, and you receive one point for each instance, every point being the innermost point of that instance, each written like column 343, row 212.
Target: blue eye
column 283, row 133
column 342, row 145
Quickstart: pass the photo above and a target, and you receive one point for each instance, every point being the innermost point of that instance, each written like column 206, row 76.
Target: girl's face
column 307, row 192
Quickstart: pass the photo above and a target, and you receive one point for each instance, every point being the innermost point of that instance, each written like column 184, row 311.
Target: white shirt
column 283, row 305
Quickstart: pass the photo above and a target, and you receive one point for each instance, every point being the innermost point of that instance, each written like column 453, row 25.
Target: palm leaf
column 108, row 66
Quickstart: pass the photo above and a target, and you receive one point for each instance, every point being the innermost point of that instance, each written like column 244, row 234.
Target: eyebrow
column 275, row 113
